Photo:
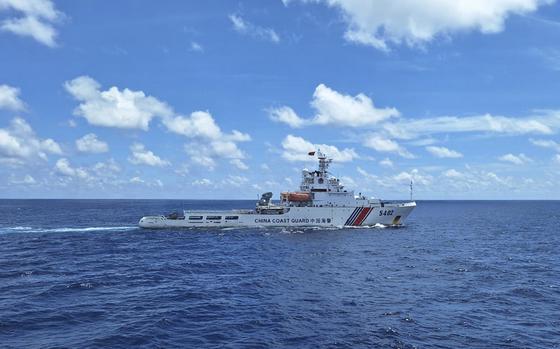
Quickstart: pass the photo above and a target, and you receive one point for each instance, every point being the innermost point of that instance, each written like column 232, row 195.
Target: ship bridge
column 318, row 188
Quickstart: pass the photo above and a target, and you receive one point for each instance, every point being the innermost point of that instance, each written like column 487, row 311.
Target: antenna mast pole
column 410, row 190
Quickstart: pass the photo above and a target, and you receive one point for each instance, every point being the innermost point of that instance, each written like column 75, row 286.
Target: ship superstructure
column 321, row 201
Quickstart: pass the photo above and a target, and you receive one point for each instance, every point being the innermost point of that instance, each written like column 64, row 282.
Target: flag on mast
column 311, row 153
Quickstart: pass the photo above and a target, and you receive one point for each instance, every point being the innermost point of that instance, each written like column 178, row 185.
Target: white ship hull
column 322, row 201
column 331, row 216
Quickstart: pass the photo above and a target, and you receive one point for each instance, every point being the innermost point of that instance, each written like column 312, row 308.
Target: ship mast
column 323, row 162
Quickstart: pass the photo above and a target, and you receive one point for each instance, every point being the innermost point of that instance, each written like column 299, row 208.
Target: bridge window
column 213, row 218
column 195, row 218
column 232, row 217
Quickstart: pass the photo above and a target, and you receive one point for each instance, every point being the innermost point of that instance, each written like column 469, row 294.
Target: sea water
column 458, row 274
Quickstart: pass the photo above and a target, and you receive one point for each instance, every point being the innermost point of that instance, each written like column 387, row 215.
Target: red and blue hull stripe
column 358, row 216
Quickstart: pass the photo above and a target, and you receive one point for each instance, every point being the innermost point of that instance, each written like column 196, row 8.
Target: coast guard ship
column 320, row 202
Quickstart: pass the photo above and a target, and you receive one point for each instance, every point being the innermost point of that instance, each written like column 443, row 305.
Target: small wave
column 302, row 230
column 291, row 231
column 376, row 226
column 77, row 285
column 67, row 229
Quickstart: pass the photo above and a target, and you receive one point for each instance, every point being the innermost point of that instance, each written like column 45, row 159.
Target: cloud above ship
column 359, row 114
column 385, row 23
column 296, row 148
column 129, row 109
column 334, row 108
column 208, row 141
column 384, row 145
column 115, row 108
column 544, row 124
column 337, row 109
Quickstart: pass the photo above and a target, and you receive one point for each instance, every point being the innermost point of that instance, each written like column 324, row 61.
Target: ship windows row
column 213, row 218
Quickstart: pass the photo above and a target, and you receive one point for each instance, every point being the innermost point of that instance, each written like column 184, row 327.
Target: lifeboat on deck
column 296, row 196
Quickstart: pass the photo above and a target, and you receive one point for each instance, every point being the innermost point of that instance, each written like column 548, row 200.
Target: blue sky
column 223, row 99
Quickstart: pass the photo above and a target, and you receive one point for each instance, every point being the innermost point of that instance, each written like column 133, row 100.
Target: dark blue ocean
column 79, row 274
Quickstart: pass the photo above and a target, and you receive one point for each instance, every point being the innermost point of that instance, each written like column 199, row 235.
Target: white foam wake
column 375, row 226
column 65, row 229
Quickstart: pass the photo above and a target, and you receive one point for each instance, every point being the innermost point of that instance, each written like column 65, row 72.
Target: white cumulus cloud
column 9, row 98
column 244, row 27
column 452, row 173
column 142, row 156
column 239, row 164
column 198, row 124
column 203, row 182
column 134, row 109
column 366, row 174
column 471, row 179
column 27, row 180
column 546, row 143
column 386, row 163
column 385, row 145
column 287, row 116
column 19, row 142
column 297, row 149
column 91, row 144
column 33, row 18
column 443, row 152
column 137, row 180
column 113, row 107
column 108, row 168
column 515, row 159
column 415, row 176
column 64, row 167
column 381, row 23
column 334, row 108
column 196, row 47
column 235, row 181
column 415, row 128
column 209, row 142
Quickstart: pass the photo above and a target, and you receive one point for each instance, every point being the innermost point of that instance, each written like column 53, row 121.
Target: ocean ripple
column 457, row 275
